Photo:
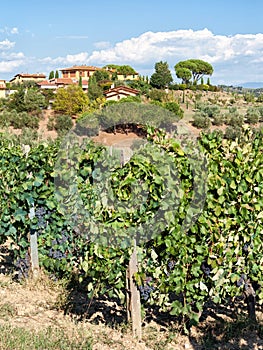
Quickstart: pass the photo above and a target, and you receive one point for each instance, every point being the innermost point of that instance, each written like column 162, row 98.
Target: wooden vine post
column 133, row 297
column 33, row 252
column 132, row 293
column 33, row 247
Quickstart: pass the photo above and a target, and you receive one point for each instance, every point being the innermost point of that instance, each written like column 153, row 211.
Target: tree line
column 190, row 71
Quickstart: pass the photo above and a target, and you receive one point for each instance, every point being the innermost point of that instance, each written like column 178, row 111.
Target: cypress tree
column 51, row 75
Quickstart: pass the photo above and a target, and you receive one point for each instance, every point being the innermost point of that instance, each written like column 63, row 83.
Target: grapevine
column 217, row 257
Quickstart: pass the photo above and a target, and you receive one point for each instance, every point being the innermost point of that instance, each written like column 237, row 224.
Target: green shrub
column 174, row 86
column 249, row 97
column 170, row 106
column 51, row 123
column 183, row 86
column 193, row 87
column 109, row 103
column 201, row 122
column 209, row 111
column 218, row 120
column 252, row 115
column 157, row 95
column 5, row 119
column 87, row 125
column 202, row 87
column 23, row 119
column 63, row 123
column 173, row 107
column 234, row 120
column 28, row 136
column 232, row 133
column 131, row 99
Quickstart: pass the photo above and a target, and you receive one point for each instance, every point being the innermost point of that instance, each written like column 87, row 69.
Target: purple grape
column 206, row 268
column 146, row 289
column 171, row 264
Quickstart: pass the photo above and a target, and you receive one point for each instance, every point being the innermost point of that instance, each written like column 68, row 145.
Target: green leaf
column 233, row 185
column 217, row 210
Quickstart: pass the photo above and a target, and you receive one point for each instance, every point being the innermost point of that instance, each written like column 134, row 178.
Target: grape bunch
column 40, row 215
column 246, row 247
column 206, row 268
column 171, row 265
column 56, row 254
column 242, row 280
column 58, row 242
column 146, row 289
column 23, row 266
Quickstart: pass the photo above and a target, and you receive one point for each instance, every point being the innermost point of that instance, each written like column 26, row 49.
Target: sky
column 41, row 36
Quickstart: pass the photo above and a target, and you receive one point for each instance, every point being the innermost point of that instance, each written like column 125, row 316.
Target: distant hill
column 252, row 85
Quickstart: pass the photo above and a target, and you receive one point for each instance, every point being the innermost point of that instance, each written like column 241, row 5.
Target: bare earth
column 39, row 304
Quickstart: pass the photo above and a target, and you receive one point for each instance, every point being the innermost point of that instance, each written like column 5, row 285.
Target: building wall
column 20, row 79
column 2, row 93
column 85, row 74
column 113, row 98
column 117, row 96
column 128, row 77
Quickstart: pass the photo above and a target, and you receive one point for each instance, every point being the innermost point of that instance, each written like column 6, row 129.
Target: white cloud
column 235, row 58
column 12, row 55
column 10, row 66
column 6, row 44
column 10, row 61
column 239, row 51
column 180, row 44
column 14, row 30
column 80, row 58
column 102, row 45
column 9, row 31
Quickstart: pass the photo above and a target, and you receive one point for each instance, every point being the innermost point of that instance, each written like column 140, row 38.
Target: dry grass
column 33, row 312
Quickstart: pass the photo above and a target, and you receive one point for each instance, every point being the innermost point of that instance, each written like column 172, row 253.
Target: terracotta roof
column 46, row 82
column 65, row 81
column 27, row 75
column 87, row 68
column 61, row 81
column 122, row 89
column 114, row 93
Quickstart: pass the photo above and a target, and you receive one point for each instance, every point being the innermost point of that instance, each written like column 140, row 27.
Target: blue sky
column 40, row 36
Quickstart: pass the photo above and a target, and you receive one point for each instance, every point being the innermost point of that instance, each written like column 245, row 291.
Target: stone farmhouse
column 116, row 93
column 75, row 72
column 85, row 72
column 22, row 78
